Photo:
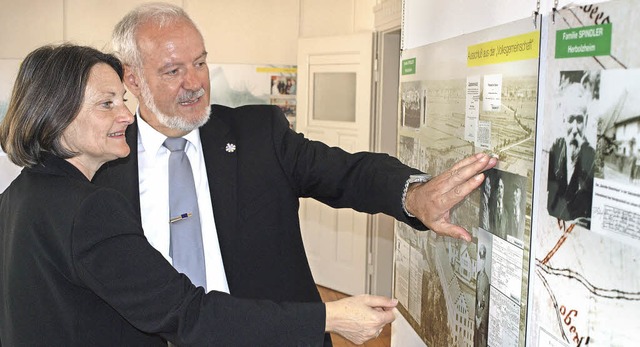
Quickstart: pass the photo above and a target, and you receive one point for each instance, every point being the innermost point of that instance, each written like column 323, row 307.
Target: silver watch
column 418, row 178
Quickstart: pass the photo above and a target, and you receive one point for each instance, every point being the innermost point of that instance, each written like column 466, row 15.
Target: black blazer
column 569, row 201
column 78, row 271
column 255, row 191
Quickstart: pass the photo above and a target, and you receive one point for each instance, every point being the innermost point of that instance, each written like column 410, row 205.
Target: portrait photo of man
column 485, row 202
column 516, row 218
column 503, row 202
column 499, row 217
column 571, row 157
column 481, row 328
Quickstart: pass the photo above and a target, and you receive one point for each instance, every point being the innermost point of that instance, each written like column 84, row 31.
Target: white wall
column 18, row 32
column 240, row 31
column 235, row 31
column 251, row 32
column 427, row 21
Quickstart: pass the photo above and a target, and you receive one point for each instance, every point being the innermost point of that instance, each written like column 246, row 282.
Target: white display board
column 583, row 287
column 469, row 94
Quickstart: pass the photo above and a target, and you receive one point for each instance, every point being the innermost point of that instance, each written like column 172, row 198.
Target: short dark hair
column 46, row 98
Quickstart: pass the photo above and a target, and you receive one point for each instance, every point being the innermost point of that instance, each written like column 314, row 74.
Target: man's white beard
column 573, row 148
column 172, row 122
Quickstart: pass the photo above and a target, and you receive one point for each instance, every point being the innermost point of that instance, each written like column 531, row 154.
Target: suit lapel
column 221, row 163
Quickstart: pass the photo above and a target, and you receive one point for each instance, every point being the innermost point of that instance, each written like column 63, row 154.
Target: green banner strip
column 409, row 66
column 589, row 41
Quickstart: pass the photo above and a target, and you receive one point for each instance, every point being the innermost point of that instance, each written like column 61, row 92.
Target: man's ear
column 132, row 81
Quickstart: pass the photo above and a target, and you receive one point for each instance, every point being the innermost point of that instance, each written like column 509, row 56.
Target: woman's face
column 97, row 133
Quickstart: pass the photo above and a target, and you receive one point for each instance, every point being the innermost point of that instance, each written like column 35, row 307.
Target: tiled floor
column 384, row 340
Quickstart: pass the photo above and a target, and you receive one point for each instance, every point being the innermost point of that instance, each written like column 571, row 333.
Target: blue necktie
column 186, row 237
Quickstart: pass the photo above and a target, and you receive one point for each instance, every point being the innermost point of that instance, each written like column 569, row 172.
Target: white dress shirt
column 153, row 168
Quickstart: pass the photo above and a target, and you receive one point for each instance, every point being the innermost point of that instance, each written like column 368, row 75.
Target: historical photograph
column 502, row 204
column 411, row 104
column 571, row 156
column 483, row 281
column 618, row 146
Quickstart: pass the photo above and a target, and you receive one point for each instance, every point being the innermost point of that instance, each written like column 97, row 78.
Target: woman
column 76, row 268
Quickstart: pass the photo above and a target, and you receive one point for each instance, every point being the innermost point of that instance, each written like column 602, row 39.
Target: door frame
column 384, row 140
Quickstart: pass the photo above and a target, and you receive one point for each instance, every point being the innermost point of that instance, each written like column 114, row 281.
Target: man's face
column 487, row 186
column 517, row 196
column 574, row 114
column 574, row 122
column 500, row 190
column 174, row 79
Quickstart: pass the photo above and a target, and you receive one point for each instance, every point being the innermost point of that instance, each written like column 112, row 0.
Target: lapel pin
column 230, row 148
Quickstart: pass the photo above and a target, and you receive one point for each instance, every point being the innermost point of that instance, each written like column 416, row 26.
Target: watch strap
column 418, row 178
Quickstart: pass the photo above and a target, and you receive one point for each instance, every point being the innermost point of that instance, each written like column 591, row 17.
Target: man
column 635, row 166
column 480, row 335
column 516, row 222
column 498, row 217
column 571, row 157
column 78, row 266
column 485, row 203
column 254, row 167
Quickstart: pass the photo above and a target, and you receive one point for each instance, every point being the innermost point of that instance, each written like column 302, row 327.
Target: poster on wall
column 473, row 93
column 236, row 85
column 585, row 278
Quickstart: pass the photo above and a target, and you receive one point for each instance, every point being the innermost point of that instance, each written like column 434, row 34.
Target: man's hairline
column 138, row 66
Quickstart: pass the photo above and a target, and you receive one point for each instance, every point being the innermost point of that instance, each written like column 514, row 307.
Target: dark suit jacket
column 78, row 271
column 255, row 193
column 572, row 200
column 498, row 221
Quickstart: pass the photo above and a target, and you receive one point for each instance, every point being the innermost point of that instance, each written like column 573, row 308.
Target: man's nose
column 573, row 126
column 191, row 80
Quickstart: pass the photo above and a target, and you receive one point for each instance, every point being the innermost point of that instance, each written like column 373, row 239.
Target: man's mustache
column 191, row 95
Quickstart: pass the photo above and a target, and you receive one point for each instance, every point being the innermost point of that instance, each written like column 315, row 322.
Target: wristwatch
column 418, row 178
